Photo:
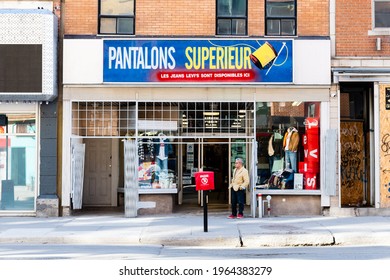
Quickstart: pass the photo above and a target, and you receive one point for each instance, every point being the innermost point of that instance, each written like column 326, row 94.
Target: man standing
column 240, row 182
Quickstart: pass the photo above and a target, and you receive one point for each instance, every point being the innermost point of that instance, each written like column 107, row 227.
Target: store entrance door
column 216, row 159
column 97, row 177
column 210, row 154
column 206, row 155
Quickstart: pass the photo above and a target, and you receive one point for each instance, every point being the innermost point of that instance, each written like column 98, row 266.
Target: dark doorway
column 355, row 108
column 216, row 159
column 211, row 155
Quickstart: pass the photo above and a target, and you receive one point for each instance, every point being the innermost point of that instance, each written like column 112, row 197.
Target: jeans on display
column 291, row 160
column 275, row 163
column 271, row 163
column 238, row 197
column 162, row 164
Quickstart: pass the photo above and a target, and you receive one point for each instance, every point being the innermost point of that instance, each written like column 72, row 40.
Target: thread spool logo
column 263, row 56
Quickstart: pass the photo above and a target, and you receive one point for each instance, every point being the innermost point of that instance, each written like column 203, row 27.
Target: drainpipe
column 332, row 27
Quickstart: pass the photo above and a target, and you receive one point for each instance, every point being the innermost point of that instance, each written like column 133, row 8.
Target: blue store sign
column 198, row 61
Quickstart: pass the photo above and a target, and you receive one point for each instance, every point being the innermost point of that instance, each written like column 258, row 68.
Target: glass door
column 206, row 155
column 190, row 153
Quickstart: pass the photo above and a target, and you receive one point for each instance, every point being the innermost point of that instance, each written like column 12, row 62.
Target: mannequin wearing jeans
column 290, row 145
column 163, row 150
column 275, row 151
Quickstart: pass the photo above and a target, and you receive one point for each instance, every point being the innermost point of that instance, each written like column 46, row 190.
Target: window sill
column 379, row 32
column 157, row 191
column 258, row 189
column 151, row 191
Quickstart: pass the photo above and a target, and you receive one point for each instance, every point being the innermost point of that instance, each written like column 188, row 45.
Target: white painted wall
column 83, row 61
column 312, row 60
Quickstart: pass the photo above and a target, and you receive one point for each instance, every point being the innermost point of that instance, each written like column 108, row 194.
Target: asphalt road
column 133, row 252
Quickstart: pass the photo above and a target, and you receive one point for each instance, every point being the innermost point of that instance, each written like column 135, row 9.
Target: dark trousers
column 238, row 197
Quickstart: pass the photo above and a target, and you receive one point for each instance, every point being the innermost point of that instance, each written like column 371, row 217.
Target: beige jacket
column 293, row 140
column 240, row 179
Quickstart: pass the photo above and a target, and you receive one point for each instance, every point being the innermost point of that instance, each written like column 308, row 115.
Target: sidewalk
column 188, row 230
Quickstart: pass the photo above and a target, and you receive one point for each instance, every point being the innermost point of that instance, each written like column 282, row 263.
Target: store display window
column 18, row 161
column 157, row 161
column 288, row 137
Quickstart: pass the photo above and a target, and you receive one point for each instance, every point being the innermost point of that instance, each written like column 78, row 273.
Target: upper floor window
column 116, row 17
column 280, row 17
column 382, row 13
column 232, row 17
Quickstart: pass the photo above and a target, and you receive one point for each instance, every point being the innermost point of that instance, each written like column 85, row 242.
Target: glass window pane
column 239, row 26
column 157, row 163
column 288, row 27
column 117, row 7
column 239, row 8
column 223, row 8
column 382, row 14
column 108, row 25
column 125, row 25
column 280, row 8
column 277, row 123
column 273, row 27
column 231, row 7
column 224, row 27
column 18, row 158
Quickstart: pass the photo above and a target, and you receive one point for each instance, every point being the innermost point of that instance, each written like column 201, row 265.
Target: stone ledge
column 47, row 206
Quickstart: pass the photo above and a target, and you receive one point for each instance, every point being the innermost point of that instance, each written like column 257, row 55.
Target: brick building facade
column 360, row 69
column 248, row 105
column 216, row 77
column 183, row 18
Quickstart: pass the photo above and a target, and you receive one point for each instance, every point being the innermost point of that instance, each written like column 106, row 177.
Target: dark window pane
column 288, row 27
column 125, row 25
column 281, row 17
column 224, row 27
column 382, row 14
column 231, row 7
column 239, row 8
column 239, row 26
column 223, row 8
column 280, row 8
column 273, row 27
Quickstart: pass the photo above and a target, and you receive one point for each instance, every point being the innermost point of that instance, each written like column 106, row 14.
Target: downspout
column 59, row 10
column 332, row 27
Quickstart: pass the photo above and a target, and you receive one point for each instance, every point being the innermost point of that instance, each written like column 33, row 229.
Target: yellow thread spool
column 263, row 55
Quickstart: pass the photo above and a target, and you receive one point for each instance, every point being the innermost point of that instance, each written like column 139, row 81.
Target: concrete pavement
column 188, row 230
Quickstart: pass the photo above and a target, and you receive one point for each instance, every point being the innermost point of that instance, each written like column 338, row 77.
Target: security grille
column 178, row 119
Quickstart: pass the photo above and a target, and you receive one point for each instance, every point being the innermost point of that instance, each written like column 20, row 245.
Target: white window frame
column 376, row 31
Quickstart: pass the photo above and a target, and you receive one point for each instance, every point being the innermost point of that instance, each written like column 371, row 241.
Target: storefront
column 28, row 88
column 363, row 120
column 194, row 104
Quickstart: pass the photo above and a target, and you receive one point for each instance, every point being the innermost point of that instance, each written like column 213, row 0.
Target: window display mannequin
column 275, row 152
column 162, row 151
column 290, row 145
